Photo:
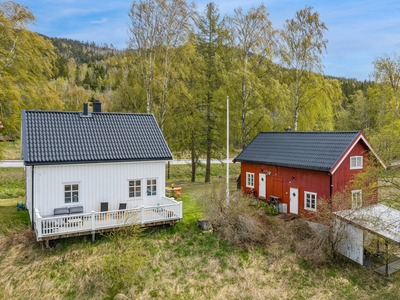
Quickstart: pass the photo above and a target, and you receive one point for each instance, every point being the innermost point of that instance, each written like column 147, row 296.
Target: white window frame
column 71, row 184
column 134, row 186
column 305, row 201
column 358, row 162
column 354, row 202
column 151, row 185
column 247, row 179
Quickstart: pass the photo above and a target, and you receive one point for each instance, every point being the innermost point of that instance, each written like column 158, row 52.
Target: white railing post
column 142, row 213
column 180, row 210
column 38, row 223
column 93, row 220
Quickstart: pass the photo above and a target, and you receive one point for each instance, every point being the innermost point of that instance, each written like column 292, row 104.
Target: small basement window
column 71, row 193
column 356, row 199
column 151, row 187
column 356, row 162
column 135, row 188
column 310, row 201
column 250, row 180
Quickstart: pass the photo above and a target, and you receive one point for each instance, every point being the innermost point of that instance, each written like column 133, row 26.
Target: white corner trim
column 351, row 148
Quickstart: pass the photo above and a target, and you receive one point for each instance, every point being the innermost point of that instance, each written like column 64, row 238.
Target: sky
column 359, row 31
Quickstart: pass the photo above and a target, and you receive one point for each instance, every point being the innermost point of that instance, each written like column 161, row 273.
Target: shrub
column 237, row 222
column 126, row 258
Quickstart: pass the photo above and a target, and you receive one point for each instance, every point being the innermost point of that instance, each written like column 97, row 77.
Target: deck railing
column 90, row 222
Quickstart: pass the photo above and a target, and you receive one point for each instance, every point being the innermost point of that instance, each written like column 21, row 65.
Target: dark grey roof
column 302, row 150
column 55, row 137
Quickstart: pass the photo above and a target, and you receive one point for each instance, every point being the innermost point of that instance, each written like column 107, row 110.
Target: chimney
column 96, row 106
column 85, row 109
column 288, row 129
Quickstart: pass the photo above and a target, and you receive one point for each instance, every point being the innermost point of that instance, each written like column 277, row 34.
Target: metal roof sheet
column 54, row 137
column 379, row 219
column 303, row 150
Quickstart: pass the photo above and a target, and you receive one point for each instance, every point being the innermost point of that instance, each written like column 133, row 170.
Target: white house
column 88, row 172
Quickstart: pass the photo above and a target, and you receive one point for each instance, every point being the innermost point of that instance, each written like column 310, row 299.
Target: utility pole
column 227, row 150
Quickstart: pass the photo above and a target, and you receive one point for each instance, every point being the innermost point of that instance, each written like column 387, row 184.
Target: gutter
column 33, row 184
column 330, row 188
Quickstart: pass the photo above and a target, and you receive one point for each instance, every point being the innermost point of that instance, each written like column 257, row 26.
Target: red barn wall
column 280, row 181
column 343, row 175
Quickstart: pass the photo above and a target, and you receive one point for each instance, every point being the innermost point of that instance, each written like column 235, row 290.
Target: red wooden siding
column 281, row 179
column 343, row 175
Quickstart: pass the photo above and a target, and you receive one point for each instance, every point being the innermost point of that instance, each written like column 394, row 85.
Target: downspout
column 33, row 184
column 330, row 189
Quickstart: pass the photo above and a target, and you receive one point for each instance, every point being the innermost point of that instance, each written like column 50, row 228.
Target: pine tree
column 209, row 43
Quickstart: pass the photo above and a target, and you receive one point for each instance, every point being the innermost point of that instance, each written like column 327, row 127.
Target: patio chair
column 104, row 206
column 122, row 206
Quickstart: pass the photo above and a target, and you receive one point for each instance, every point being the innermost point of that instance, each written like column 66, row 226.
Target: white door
column 294, row 201
column 261, row 185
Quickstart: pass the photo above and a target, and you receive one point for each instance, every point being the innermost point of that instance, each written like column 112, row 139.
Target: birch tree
column 387, row 72
column 252, row 41
column 303, row 45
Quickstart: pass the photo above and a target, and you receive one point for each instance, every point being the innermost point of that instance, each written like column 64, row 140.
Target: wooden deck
column 392, row 268
column 56, row 227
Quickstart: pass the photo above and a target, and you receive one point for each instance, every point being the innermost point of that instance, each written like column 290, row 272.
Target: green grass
column 184, row 172
column 184, row 263
column 11, row 150
column 11, row 219
column 12, row 183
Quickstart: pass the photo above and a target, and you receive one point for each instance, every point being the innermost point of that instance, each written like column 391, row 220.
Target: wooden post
column 93, row 226
column 387, row 259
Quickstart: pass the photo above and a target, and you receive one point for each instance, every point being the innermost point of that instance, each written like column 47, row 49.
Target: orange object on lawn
column 178, row 194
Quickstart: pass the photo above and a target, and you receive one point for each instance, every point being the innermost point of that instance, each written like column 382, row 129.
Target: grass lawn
column 183, row 263
column 11, row 150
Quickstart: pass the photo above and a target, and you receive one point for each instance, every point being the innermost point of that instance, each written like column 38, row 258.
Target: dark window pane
column 148, row 182
column 67, row 199
column 74, row 187
column 131, row 194
column 67, row 188
column 138, row 194
column 131, row 183
column 137, row 182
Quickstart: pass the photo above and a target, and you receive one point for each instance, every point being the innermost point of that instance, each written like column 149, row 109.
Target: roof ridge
column 316, row 132
column 79, row 112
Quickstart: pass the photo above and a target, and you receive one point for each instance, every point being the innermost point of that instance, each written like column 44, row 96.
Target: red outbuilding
column 302, row 169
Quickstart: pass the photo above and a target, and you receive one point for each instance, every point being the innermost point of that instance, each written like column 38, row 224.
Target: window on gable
column 135, row 188
column 356, row 199
column 71, row 193
column 356, row 162
column 310, row 201
column 250, row 180
column 151, row 187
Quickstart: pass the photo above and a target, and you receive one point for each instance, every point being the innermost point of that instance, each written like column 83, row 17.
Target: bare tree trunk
column 193, row 159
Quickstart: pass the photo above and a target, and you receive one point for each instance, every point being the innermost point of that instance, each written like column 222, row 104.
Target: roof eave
column 48, row 163
column 285, row 165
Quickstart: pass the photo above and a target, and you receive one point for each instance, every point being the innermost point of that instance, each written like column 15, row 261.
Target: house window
column 135, row 188
column 151, row 187
column 356, row 199
column 71, row 193
column 310, row 201
column 250, row 180
column 356, row 162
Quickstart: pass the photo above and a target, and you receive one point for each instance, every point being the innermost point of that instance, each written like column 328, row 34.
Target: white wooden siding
column 106, row 182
